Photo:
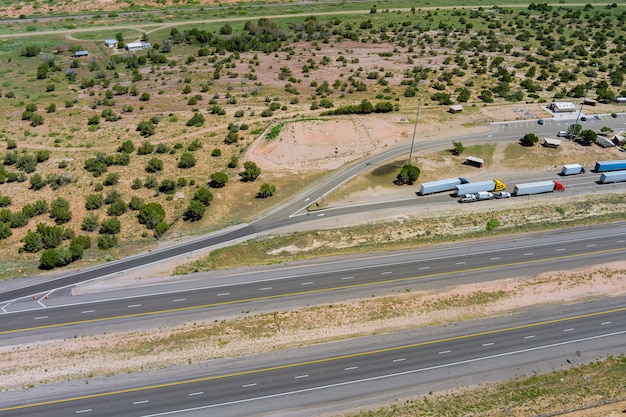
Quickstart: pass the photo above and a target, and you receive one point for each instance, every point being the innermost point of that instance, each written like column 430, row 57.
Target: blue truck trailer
column 617, row 165
column 448, row 184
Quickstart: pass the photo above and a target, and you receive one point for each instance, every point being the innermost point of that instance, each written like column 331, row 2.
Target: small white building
column 457, row 108
column 561, row 107
column 138, row 46
column 111, row 43
column 551, row 143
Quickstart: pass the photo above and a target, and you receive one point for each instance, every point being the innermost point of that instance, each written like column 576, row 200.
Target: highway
column 299, row 384
column 294, row 211
column 309, row 382
column 448, row 263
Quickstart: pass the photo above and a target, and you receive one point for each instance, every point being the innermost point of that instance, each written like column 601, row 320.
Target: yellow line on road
column 308, row 292
column 313, row 362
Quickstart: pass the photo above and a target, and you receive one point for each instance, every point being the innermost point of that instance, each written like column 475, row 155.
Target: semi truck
column 474, row 187
column 616, row 165
column 572, row 169
column 538, row 187
column 448, row 184
column 615, row 176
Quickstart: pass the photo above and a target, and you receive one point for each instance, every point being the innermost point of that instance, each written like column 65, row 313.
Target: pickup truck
column 467, row 198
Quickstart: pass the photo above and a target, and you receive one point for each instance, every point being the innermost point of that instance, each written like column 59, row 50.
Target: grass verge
column 411, row 232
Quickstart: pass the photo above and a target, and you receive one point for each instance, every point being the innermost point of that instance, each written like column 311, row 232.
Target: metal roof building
column 561, row 107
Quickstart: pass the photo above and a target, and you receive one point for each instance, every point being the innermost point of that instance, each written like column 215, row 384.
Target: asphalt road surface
column 607, row 243
column 299, row 385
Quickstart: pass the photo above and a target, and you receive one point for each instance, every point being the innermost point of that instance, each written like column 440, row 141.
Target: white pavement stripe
column 196, row 393
column 87, row 311
column 425, row 267
column 529, row 337
column 399, row 360
column 178, row 300
column 140, row 402
column 83, row 411
column 444, row 351
column 386, row 273
column 569, row 330
column 301, row 376
column 41, row 317
column 265, row 288
column 528, row 254
column 134, row 305
column 605, row 323
column 488, row 344
column 307, row 283
column 495, row 258
column 347, row 277
column 223, row 294
column 351, row 368
column 249, row 385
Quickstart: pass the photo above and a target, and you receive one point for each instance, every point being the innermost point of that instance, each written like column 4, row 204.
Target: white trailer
column 448, row 184
column 474, row 187
column 615, row 176
column 572, row 169
column 538, row 187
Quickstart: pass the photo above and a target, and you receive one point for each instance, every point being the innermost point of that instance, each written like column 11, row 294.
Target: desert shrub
column 107, row 242
column 195, row 211
column 151, row 214
column 60, row 210
column 110, row 226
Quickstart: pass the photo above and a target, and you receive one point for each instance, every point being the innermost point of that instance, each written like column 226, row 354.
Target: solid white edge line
column 376, row 378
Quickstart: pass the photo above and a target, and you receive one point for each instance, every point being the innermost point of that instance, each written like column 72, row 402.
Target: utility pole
column 571, row 134
column 419, row 104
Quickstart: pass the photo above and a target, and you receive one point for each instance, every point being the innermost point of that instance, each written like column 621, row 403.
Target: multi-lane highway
column 292, row 387
column 464, row 262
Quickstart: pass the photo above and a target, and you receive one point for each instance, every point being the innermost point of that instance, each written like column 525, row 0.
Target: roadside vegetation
column 152, row 127
column 560, row 393
column 417, row 230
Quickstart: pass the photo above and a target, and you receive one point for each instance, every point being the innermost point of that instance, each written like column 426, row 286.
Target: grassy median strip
column 406, row 231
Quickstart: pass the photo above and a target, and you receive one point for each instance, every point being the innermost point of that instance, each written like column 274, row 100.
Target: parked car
column 614, row 115
column 562, row 134
column 583, row 119
column 597, row 117
column 467, row 198
column 502, row 194
column 540, row 121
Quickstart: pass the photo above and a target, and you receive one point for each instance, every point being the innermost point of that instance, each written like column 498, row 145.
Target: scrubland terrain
column 265, row 106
